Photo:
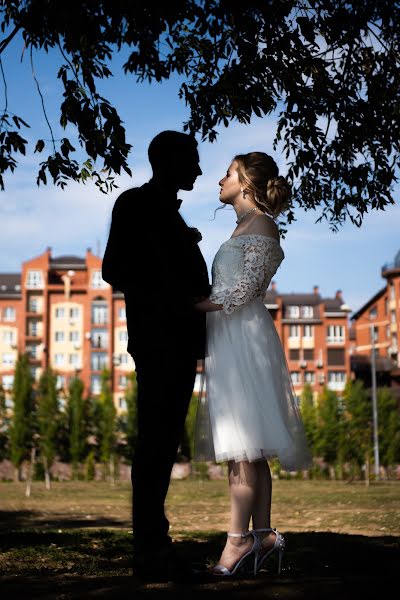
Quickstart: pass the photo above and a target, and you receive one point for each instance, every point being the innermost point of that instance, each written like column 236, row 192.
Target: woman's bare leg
column 243, row 491
column 261, row 513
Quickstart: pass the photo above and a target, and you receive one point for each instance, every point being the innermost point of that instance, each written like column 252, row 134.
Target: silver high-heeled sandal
column 221, row 571
column 261, row 554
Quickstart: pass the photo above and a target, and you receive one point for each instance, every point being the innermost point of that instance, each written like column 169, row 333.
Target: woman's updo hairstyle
column 259, row 177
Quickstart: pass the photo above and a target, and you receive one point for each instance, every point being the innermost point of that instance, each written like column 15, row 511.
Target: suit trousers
column 165, row 386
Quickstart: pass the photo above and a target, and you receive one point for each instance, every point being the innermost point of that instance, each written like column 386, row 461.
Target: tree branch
column 4, row 43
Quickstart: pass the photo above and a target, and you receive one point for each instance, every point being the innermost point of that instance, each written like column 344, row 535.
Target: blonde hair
column 259, row 177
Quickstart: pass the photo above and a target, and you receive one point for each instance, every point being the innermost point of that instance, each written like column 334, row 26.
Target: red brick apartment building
column 376, row 325
column 61, row 311
column 315, row 336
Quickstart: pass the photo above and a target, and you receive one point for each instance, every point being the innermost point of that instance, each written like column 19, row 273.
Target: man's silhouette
column 152, row 256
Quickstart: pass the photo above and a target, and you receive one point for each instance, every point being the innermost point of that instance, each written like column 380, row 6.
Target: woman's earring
column 243, row 192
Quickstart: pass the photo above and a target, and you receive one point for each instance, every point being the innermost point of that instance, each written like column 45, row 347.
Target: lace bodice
column 243, row 268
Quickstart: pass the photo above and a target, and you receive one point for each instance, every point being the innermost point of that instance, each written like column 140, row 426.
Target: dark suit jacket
column 154, row 259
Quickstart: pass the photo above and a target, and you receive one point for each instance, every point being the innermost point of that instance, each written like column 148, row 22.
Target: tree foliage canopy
column 328, row 68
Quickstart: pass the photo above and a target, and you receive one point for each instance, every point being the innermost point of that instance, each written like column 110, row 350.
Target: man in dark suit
column 152, row 256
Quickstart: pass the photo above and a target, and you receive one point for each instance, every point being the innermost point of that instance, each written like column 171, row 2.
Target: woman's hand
column 207, row 306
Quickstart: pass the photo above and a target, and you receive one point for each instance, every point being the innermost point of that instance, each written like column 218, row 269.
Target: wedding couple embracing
column 174, row 318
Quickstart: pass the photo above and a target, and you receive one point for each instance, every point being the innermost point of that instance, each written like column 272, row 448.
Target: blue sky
column 69, row 221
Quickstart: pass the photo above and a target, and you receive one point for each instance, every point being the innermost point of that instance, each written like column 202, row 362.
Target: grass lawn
column 74, row 540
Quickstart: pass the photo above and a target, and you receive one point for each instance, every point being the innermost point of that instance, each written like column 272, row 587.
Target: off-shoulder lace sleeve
column 262, row 257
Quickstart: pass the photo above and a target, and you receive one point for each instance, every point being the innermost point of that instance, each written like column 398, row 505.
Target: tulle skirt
column 247, row 409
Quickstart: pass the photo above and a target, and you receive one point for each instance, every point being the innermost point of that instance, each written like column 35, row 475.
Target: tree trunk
column 30, row 472
column 111, row 471
column 46, row 473
column 367, row 469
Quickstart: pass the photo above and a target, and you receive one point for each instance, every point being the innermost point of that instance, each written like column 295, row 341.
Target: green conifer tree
column 308, row 410
column 108, row 425
column 23, row 414
column 131, row 416
column 358, row 415
column 48, row 420
column 388, row 428
column 4, row 425
column 77, row 425
column 328, row 416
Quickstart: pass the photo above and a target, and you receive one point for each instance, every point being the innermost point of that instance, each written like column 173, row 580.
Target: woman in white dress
column 251, row 406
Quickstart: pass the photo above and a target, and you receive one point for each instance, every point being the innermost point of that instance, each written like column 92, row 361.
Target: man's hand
column 196, row 234
column 207, row 306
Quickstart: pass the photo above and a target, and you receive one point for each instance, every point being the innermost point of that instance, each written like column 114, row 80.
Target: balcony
column 294, row 342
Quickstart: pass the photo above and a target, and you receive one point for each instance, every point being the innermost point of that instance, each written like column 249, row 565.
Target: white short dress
column 249, row 410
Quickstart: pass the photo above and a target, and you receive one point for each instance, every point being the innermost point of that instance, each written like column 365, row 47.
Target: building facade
column 376, row 328
column 60, row 311
column 314, row 332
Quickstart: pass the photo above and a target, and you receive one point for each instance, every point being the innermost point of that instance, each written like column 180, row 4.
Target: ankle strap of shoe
column 262, row 530
column 241, row 535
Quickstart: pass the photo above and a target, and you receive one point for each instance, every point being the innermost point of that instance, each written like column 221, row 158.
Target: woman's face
column 230, row 185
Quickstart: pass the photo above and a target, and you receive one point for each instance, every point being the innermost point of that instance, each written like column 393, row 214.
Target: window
column 34, row 305
column 309, row 377
column 296, row 377
column 386, row 305
column 9, row 313
column 8, row 382
column 8, row 336
column 74, row 336
column 122, row 403
column 34, row 372
column 33, row 329
column 122, row 313
column 336, row 380
column 387, row 331
column 123, row 336
column 335, row 334
column 59, row 336
column 99, row 313
column 308, row 353
column 60, row 313
column 123, row 359
column 293, row 312
column 35, row 280
column 95, row 384
column 392, row 291
column 99, row 338
column 393, row 316
column 122, row 381
column 308, row 331
column 74, row 313
column 32, row 351
column 8, row 358
column 294, row 354
column 59, row 359
column 374, row 334
column 97, row 280
column 373, row 313
column 294, row 331
column 60, row 382
column 307, row 312
column 98, row 361
column 336, row 357
column 74, row 360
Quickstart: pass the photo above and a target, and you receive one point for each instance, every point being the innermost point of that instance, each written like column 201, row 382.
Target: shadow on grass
column 96, row 564
column 23, row 519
